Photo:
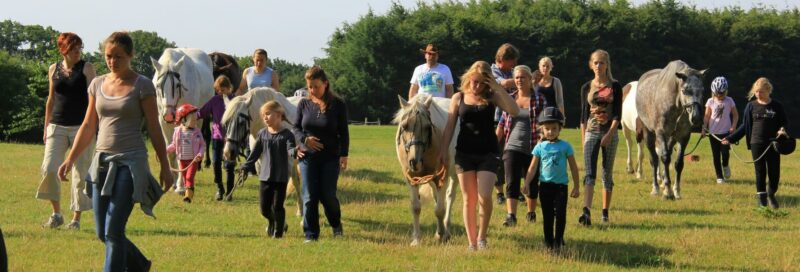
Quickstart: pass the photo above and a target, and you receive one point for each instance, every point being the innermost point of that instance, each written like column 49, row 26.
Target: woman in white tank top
column 259, row 75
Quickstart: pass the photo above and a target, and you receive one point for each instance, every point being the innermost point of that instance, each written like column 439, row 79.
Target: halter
column 440, row 175
column 239, row 134
column 177, row 86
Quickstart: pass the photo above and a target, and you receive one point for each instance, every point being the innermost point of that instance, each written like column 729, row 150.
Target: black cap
column 551, row 114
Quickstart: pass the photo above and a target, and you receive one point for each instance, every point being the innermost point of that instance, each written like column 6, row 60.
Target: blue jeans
column 320, row 176
column 111, row 215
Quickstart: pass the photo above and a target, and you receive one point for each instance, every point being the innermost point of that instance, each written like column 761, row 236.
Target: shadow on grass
column 353, row 195
column 183, row 233
column 373, row 176
column 685, row 211
column 679, row 225
column 373, row 231
column 787, row 201
column 627, row 255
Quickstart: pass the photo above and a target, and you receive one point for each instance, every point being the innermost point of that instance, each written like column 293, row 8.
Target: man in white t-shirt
column 432, row 77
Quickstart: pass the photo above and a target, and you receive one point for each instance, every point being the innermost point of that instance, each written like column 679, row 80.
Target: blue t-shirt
column 553, row 161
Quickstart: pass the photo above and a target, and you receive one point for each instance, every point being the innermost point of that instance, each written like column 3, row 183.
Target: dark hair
column 222, row 81
column 507, row 51
column 67, row 41
column 316, row 72
column 121, row 38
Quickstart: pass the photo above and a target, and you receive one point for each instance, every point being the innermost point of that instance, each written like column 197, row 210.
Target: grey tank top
column 120, row 117
column 519, row 139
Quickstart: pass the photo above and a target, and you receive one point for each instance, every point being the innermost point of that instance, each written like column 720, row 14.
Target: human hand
column 300, row 153
column 343, row 163
column 525, row 188
column 44, row 135
column 165, row 178
column 575, row 192
column 198, row 159
column 606, row 139
column 725, row 141
column 63, row 170
column 313, row 143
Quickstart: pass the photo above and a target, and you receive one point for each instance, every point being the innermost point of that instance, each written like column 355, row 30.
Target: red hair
column 67, row 41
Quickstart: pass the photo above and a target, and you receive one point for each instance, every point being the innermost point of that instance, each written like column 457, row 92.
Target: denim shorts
column 477, row 162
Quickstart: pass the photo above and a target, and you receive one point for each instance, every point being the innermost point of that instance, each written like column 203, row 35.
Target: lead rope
column 440, row 175
column 771, row 145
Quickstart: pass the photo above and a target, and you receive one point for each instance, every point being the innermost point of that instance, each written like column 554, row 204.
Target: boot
column 762, row 199
column 773, row 202
column 188, row 195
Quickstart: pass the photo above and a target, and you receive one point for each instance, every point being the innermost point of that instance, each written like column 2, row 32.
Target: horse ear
column 179, row 64
column 403, row 102
column 703, row 72
column 681, row 75
column 428, row 101
column 156, row 65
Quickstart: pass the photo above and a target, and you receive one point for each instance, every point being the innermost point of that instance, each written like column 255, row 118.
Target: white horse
column 242, row 121
column 183, row 76
column 420, row 123
column 630, row 129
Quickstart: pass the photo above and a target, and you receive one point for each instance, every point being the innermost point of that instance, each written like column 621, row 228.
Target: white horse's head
column 241, row 117
column 169, row 87
column 415, row 131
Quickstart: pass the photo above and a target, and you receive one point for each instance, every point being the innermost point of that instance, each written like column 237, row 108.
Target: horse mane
column 256, row 97
column 415, row 106
column 235, row 105
column 667, row 74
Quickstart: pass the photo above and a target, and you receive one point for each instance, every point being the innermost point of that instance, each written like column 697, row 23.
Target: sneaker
column 773, row 202
column 471, row 248
column 604, row 219
column 720, row 181
column 74, row 225
column 187, row 200
column 511, row 220
column 229, row 198
column 762, row 199
column 531, row 216
column 483, row 245
column 309, row 240
column 55, row 221
column 585, row 220
column 726, row 171
column 270, row 231
column 337, row 232
column 218, row 196
column 501, row 199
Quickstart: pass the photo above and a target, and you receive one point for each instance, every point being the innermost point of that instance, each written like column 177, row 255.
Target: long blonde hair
column 604, row 56
column 479, row 68
column 273, row 106
column 761, row 83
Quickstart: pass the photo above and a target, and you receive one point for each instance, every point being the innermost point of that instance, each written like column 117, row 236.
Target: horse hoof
column 414, row 242
column 629, row 170
column 443, row 238
column 638, row 175
column 669, row 197
column 654, row 192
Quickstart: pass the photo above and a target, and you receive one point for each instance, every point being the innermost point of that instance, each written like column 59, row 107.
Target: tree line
column 370, row 61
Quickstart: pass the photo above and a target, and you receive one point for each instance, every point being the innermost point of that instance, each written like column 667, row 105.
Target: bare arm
column 243, row 84
column 275, row 81
column 150, row 110
column 82, row 138
column 502, row 99
column 447, row 134
column 412, row 91
column 448, row 90
column 573, row 167
column 534, row 166
column 735, row 118
column 706, row 117
column 89, row 72
column 48, row 106
column 508, row 83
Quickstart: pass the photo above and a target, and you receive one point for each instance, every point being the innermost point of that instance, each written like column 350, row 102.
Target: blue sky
column 292, row 30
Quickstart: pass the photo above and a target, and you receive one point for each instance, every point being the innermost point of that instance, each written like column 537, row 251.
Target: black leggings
column 515, row 166
column 554, row 207
column 271, row 197
column 768, row 166
column 3, row 255
column 719, row 152
column 216, row 159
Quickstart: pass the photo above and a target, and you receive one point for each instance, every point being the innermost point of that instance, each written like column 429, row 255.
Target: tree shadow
column 787, row 201
column 686, row 211
column 627, row 255
column 373, row 231
column 353, row 195
column 650, row 226
column 373, row 176
column 183, row 233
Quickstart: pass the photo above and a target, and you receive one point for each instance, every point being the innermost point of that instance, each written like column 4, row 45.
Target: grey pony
column 669, row 105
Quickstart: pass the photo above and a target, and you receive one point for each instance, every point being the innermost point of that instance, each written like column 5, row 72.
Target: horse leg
column 639, row 157
column 679, row 167
column 665, row 152
column 439, row 202
column 416, row 208
column 297, row 183
column 627, row 133
column 649, row 139
column 450, row 197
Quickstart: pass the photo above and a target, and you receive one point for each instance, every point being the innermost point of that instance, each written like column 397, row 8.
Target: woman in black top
column 764, row 119
column 64, row 112
column 476, row 157
column 323, row 139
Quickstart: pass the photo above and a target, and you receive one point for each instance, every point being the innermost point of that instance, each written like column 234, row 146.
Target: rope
column 180, row 170
column 695, row 146
column 772, row 145
column 440, row 175
column 240, row 178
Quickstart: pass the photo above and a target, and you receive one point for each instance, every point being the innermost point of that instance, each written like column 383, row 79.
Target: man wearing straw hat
column 432, row 77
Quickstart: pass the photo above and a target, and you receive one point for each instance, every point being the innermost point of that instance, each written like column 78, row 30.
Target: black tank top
column 477, row 129
column 549, row 94
column 70, row 95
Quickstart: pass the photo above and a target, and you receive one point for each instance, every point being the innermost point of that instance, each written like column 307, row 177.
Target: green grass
column 714, row 227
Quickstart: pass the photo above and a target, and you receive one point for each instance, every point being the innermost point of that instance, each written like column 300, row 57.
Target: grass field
column 714, row 227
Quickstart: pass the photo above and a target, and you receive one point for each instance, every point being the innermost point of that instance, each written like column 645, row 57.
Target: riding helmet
column 551, row 114
column 785, row 145
column 719, row 85
column 183, row 111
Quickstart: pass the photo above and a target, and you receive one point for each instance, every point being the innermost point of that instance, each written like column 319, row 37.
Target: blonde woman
column 601, row 104
column 764, row 119
column 259, row 75
column 476, row 157
column 550, row 86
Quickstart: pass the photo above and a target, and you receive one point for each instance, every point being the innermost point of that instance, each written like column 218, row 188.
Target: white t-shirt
column 720, row 121
column 432, row 80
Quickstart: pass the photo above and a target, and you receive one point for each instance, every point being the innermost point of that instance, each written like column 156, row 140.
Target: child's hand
column 725, row 141
column 575, row 192
column 198, row 159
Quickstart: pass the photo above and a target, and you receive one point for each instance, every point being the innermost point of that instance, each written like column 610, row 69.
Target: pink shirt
column 720, row 121
column 197, row 143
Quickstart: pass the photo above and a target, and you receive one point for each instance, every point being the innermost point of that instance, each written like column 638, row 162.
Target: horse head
column 236, row 121
column 415, row 132
column 226, row 65
column 169, row 88
column 691, row 94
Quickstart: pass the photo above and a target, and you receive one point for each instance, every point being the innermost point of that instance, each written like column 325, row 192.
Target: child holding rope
column 764, row 120
column 554, row 154
column 275, row 147
column 719, row 121
column 188, row 145
column 215, row 108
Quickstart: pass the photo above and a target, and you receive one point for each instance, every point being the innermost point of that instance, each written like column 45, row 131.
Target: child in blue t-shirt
column 554, row 154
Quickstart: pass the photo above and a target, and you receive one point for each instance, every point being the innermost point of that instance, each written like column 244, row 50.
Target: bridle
column 422, row 144
column 177, row 87
column 236, row 134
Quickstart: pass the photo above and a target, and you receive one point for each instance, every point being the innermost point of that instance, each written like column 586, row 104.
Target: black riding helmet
column 551, row 114
column 785, row 145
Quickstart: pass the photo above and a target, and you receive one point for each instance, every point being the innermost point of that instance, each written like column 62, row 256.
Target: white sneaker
column 720, row 181
column 726, row 172
column 74, row 225
column 55, row 221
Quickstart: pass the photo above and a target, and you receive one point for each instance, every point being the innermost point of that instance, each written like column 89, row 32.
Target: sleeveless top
column 519, row 139
column 69, row 95
column 549, row 94
column 255, row 80
column 477, row 129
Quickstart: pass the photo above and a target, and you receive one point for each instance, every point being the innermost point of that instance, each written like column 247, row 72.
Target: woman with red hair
column 64, row 112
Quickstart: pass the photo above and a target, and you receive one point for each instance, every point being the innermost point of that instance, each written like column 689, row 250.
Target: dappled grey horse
column 668, row 102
